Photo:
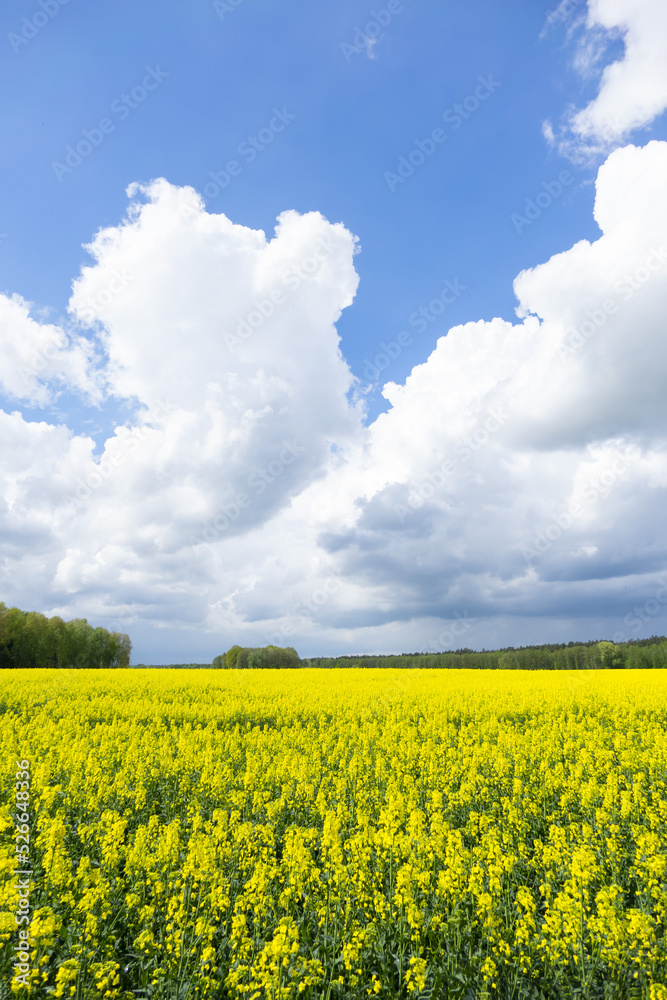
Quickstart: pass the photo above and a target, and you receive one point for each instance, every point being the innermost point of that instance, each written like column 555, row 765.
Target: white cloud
column 34, row 354
column 501, row 430
column 370, row 48
column 225, row 342
column 632, row 90
column 246, row 500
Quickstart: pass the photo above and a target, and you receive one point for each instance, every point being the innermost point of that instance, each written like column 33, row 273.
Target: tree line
column 29, row 639
column 593, row 655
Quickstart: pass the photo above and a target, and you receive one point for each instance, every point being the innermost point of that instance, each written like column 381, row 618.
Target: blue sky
column 177, row 91
column 354, row 117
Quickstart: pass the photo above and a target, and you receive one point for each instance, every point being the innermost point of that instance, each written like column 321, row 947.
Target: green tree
column 242, row 658
column 57, row 631
column 29, row 639
column 12, row 646
column 283, row 657
column 78, row 643
column 231, row 657
column 123, row 649
column 257, row 658
column 610, row 655
column 507, row 661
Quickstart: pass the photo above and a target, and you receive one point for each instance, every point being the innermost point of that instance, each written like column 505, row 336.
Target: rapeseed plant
column 272, row 835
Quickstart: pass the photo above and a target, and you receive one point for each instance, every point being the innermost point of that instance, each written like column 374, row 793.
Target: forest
column 593, row 655
column 29, row 639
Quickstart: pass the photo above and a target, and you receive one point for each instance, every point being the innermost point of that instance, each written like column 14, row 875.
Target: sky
column 335, row 326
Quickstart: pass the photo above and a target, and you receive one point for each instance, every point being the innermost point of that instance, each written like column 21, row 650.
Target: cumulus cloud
column 523, row 466
column 230, row 338
column 518, row 475
column 632, row 90
column 224, row 344
column 38, row 358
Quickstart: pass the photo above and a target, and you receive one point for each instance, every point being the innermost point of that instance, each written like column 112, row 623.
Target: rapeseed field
column 269, row 835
